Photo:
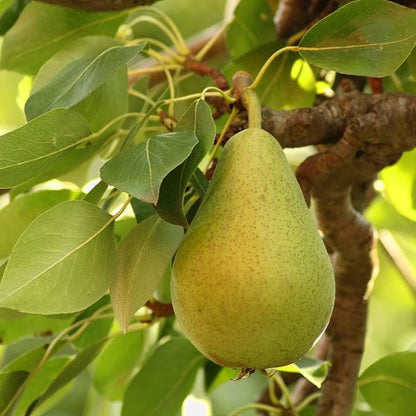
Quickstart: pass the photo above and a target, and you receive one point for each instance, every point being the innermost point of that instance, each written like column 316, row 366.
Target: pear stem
column 248, row 97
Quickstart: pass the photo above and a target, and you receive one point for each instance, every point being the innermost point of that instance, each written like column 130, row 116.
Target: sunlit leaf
column 79, row 79
column 27, row 361
column 39, row 383
column 389, row 386
column 364, row 37
column 142, row 258
column 42, row 30
column 313, row 370
column 31, row 148
column 10, row 11
column 16, row 216
column 30, row 326
column 4, row 5
column 72, row 368
column 111, row 97
column 116, row 363
column 403, row 197
column 139, row 170
column 251, row 27
column 62, row 263
column 164, row 381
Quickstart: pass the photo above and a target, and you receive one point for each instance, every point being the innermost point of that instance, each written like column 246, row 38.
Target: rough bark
column 384, row 125
column 357, row 135
column 337, row 178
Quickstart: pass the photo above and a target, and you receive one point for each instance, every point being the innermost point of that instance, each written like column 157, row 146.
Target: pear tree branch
column 357, row 135
column 371, row 139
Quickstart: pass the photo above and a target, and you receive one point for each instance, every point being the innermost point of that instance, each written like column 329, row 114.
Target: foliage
column 101, row 181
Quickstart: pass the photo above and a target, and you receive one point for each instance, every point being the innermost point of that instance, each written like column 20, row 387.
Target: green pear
column 252, row 284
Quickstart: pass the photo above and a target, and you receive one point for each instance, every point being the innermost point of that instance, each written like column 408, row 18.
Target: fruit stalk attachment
column 264, row 298
column 248, row 97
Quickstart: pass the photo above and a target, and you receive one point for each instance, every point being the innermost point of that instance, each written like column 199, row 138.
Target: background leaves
column 116, row 364
column 26, row 48
column 250, row 39
column 252, row 27
column 389, row 384
column 164, row 381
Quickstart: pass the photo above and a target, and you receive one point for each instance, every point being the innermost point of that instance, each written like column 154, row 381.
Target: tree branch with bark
column 358, row 135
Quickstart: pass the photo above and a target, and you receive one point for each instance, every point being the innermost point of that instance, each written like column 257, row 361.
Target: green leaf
column 116, row 364
column 31, row 148
column 142, row 210
column 402, row 197
column 313, row 370
column 79, row 79
column 96, row 193
column 9, row 384
column 42, row 30
column 219, row 376
column 412, row 63
column 27, row 326
column 10, row 11
column 198, row 119
column 27, row 361
column 16, row 216
column 200, row 183
column 97, row 329
column 64, row 162
column 4, row 5
column 365, row 37
column 72, row 368
column 62, row 263
column 142, row 258
column 360, row 409
column 251, row 28
column 111, row 97
column 39, row 383
column 2, row 269
column 140, row 169
column 164, row 381
column 389, row 386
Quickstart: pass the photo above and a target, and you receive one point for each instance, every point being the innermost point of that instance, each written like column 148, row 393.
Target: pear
column 252, row 284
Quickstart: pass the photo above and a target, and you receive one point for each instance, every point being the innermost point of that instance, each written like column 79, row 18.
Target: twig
column 396, row 253
column 160, row 309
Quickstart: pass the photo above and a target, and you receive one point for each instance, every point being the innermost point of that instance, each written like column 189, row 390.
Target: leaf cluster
column 80, row 263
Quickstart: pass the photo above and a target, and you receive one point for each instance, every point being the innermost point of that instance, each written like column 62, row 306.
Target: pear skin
column 252, row 283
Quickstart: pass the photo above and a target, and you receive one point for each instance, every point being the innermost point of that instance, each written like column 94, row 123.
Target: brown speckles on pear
column 252, row 285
